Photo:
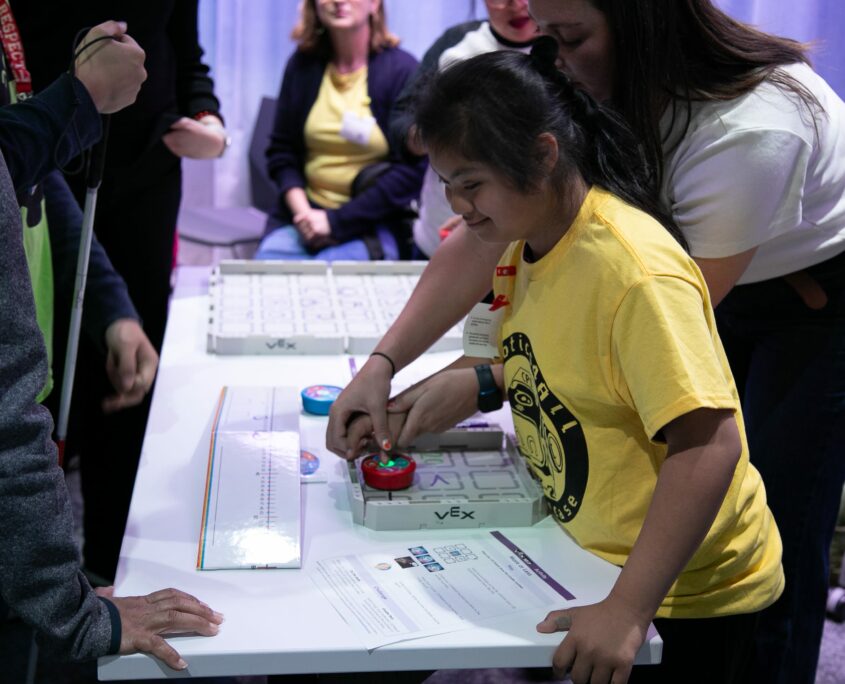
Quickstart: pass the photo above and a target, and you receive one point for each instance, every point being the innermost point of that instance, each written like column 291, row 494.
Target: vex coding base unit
column 452, row 488
column 310, row 307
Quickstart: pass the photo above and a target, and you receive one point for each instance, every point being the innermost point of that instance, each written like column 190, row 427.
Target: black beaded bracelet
column 389, row 360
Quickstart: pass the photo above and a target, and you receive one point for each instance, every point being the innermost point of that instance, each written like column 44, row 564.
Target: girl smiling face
column 495, row 210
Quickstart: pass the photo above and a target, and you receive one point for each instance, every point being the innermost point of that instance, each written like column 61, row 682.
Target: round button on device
column 318, row 399
column 397, row 473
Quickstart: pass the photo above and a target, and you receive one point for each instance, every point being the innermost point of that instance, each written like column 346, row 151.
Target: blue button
column 318, row 399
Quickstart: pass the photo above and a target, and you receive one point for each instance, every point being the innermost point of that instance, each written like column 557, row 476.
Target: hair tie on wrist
column 389, row 360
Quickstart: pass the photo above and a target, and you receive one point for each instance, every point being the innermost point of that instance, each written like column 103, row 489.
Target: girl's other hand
column 601, row 643
column 367, row 394
column 436, row 404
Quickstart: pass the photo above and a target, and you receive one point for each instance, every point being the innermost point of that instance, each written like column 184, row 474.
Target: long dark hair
column 675, row 52
column 494, row 107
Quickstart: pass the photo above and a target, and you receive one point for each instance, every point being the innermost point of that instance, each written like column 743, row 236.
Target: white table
column 277, row 621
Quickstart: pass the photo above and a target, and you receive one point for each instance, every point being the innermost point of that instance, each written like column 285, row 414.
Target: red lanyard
column 13, row 47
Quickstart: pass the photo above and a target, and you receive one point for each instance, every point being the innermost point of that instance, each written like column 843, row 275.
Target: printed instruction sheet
column 423, row 589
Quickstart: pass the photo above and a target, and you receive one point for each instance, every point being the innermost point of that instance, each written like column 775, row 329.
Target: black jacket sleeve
column 106, row 295
column 194, row 85
column 48, row 130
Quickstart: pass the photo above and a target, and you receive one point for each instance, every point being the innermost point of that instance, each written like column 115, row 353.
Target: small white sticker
column 481, row 331
column 357, row 129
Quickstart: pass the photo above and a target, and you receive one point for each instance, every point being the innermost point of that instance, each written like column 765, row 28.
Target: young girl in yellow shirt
column 622, row 398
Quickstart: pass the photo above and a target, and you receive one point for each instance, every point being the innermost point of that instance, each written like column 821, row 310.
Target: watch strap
column 489, row 394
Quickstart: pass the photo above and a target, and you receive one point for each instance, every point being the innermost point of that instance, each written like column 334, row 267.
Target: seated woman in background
column 333, row 110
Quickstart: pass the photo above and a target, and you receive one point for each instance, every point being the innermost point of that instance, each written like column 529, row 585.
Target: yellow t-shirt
column 341, row 137
column 609, row 337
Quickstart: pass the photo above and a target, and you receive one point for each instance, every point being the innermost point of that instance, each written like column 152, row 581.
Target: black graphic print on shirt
column 550, row 438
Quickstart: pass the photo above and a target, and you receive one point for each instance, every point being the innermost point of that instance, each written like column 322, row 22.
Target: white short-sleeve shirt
column 758, row 171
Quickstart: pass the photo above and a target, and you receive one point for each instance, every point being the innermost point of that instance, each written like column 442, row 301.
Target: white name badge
column 357, row 129
column 481, row 331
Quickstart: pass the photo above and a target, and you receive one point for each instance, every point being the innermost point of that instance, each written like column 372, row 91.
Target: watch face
column 489, row 401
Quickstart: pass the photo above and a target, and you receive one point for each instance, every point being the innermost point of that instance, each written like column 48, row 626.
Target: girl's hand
column 195, row 139
column 436, row 404
column 360, row 433
column 601, row 644
column 367, row 394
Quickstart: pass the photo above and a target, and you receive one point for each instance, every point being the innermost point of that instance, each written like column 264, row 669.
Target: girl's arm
column 703, row 449
column 458, row 276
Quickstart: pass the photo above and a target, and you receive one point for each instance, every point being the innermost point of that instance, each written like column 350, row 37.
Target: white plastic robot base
column 452, row 489
column 310, row 307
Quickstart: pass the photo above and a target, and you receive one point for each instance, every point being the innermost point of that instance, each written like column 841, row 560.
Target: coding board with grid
column 310, row 307
column 452, row 489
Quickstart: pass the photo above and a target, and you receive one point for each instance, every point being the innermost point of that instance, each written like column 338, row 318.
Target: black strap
column 373, row 245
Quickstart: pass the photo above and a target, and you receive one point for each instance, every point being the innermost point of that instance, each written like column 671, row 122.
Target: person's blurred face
column 510, row 19
column 339, row 15
column 585, row 43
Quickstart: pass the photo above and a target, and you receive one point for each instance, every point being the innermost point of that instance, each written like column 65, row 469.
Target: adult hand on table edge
column 168, row 611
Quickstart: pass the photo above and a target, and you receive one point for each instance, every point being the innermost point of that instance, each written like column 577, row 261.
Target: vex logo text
column 455, row 512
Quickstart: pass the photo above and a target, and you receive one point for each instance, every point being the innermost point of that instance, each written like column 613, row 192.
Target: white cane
column 93, row 179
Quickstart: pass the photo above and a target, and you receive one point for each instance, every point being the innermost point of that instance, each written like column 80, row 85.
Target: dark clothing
column 789, row 364
column 392, row 192
column 106, row 296
column 40, row 576
column 64, row 112
column 48, row 129
column 702, row 651
column 177, row 82
column 135, row 222
column 403, row 114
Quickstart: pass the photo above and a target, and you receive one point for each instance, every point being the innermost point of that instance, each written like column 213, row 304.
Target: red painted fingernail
column 386, row 445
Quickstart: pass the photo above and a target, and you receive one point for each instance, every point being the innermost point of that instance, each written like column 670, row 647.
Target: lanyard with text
column 13, row 47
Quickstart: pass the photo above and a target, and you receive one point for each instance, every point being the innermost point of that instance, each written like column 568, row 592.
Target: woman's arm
column 703, row 449
column 723, row 273
column 457, row 277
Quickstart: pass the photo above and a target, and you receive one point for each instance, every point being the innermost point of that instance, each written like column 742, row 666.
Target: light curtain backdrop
column 247, row 44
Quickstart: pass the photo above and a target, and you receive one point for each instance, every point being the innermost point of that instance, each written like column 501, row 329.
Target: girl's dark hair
column 675, row 52
column 493, row 108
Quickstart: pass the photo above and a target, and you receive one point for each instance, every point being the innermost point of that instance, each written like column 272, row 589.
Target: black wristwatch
column 489, row 394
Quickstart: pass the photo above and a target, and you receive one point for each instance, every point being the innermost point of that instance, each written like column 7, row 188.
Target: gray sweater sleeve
column 40, row 577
